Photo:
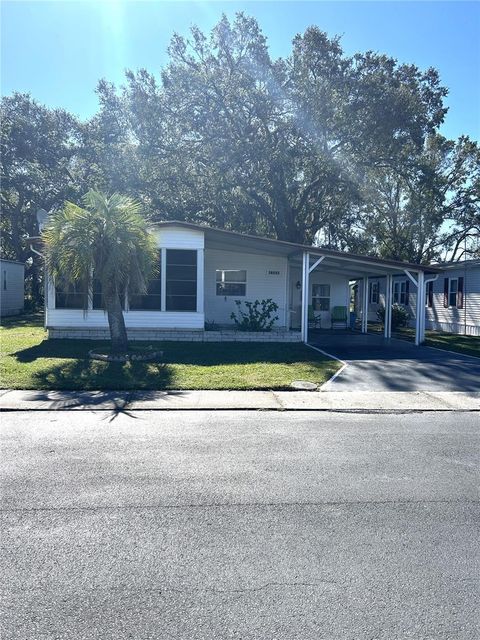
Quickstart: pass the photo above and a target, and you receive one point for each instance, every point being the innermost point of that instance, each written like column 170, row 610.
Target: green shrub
column 400, row 315
column 258, row 316
column 211, row 325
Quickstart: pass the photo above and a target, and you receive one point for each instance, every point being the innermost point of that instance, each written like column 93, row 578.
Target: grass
column 468, row 345
column 29, row 361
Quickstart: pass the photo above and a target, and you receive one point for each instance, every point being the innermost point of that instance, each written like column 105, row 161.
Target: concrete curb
column 354, row 401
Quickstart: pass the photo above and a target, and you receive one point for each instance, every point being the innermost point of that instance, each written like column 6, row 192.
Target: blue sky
column 57, row 51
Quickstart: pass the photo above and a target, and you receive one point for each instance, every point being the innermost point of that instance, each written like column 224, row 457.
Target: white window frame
column 223, row 281
column 319, row 297
column 450, row 280
column 374, row 289
column 400, row 292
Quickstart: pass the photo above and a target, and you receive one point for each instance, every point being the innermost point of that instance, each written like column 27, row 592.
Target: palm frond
column 107, row 238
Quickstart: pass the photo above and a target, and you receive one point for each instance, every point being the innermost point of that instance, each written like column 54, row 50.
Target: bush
column 211, row 325
column 258, row 316
column 400, row 316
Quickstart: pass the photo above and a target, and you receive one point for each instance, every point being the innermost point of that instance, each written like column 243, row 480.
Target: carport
column 360, row 269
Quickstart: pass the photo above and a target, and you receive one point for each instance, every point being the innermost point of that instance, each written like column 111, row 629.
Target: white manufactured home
column 203, row 271
column 12, row 287
column 452, row 300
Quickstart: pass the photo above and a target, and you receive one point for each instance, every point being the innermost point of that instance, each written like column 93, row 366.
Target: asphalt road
column 376, row 364
column 248, row 525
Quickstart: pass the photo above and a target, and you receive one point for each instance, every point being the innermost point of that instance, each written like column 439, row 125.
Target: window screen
column 69, row 296
column 97, row 297
column 152, row 299
column 181, row 280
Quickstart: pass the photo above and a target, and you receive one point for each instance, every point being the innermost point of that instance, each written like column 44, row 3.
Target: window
column 70, row 296
column 400, row 292
column 374, row 292
column 231, row 283
column 151, row 300
column 181, row 280
column 429, row 294
column 321, row 297
column 97, row 300
column 452, row 292
column 97, row 297
column 4, row 279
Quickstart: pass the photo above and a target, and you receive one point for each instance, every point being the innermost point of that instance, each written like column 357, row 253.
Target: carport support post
column 365, row 305
column 387, row 332
column 419, row 320
column 305, row 287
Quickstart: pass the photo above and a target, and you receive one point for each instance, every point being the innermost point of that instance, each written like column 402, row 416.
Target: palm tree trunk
column 116, row 323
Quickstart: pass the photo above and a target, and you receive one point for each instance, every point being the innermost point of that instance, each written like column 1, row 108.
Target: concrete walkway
column 236, row 400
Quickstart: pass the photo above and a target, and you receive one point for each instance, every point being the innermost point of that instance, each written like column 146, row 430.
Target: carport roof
column 343, row 261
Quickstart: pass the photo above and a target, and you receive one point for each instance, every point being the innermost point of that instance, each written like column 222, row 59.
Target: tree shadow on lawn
column 95, row 385
column 64, row 365
column 85, row 374
column 28, row 320
column 188, row 353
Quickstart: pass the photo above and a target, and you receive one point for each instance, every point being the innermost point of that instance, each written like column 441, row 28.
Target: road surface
column 248, row 525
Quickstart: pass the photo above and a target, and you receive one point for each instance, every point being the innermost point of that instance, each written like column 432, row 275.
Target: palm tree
column 106, row 239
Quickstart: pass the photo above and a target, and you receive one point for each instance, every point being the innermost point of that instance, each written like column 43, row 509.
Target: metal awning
column 349, row 264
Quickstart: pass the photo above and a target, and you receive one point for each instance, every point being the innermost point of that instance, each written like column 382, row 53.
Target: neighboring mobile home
column 203, row 271
column 452, row 301
column 12, row 287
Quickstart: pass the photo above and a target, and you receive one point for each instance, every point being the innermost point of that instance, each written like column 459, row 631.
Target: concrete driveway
column 239, row 525
column 376, row 364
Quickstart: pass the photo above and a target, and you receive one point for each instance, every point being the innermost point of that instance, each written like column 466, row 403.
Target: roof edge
column 301, row 247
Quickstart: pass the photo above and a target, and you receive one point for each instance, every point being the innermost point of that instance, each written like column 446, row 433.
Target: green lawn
column 468, row 345
column 30, row 361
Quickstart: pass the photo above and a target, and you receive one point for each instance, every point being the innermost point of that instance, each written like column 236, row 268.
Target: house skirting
column 224, row 335
column 453, row 327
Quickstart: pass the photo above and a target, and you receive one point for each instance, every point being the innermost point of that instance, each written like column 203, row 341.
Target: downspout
column 426, row 281
column 45, row 286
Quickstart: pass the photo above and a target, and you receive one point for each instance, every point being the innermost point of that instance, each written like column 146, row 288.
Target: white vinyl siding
column 179, row 238
column 133, row 319
column 451, row 319
column 12, row 287
column 260, row 284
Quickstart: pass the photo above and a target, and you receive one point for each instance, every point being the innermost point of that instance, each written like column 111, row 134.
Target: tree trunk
column 116, row 323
